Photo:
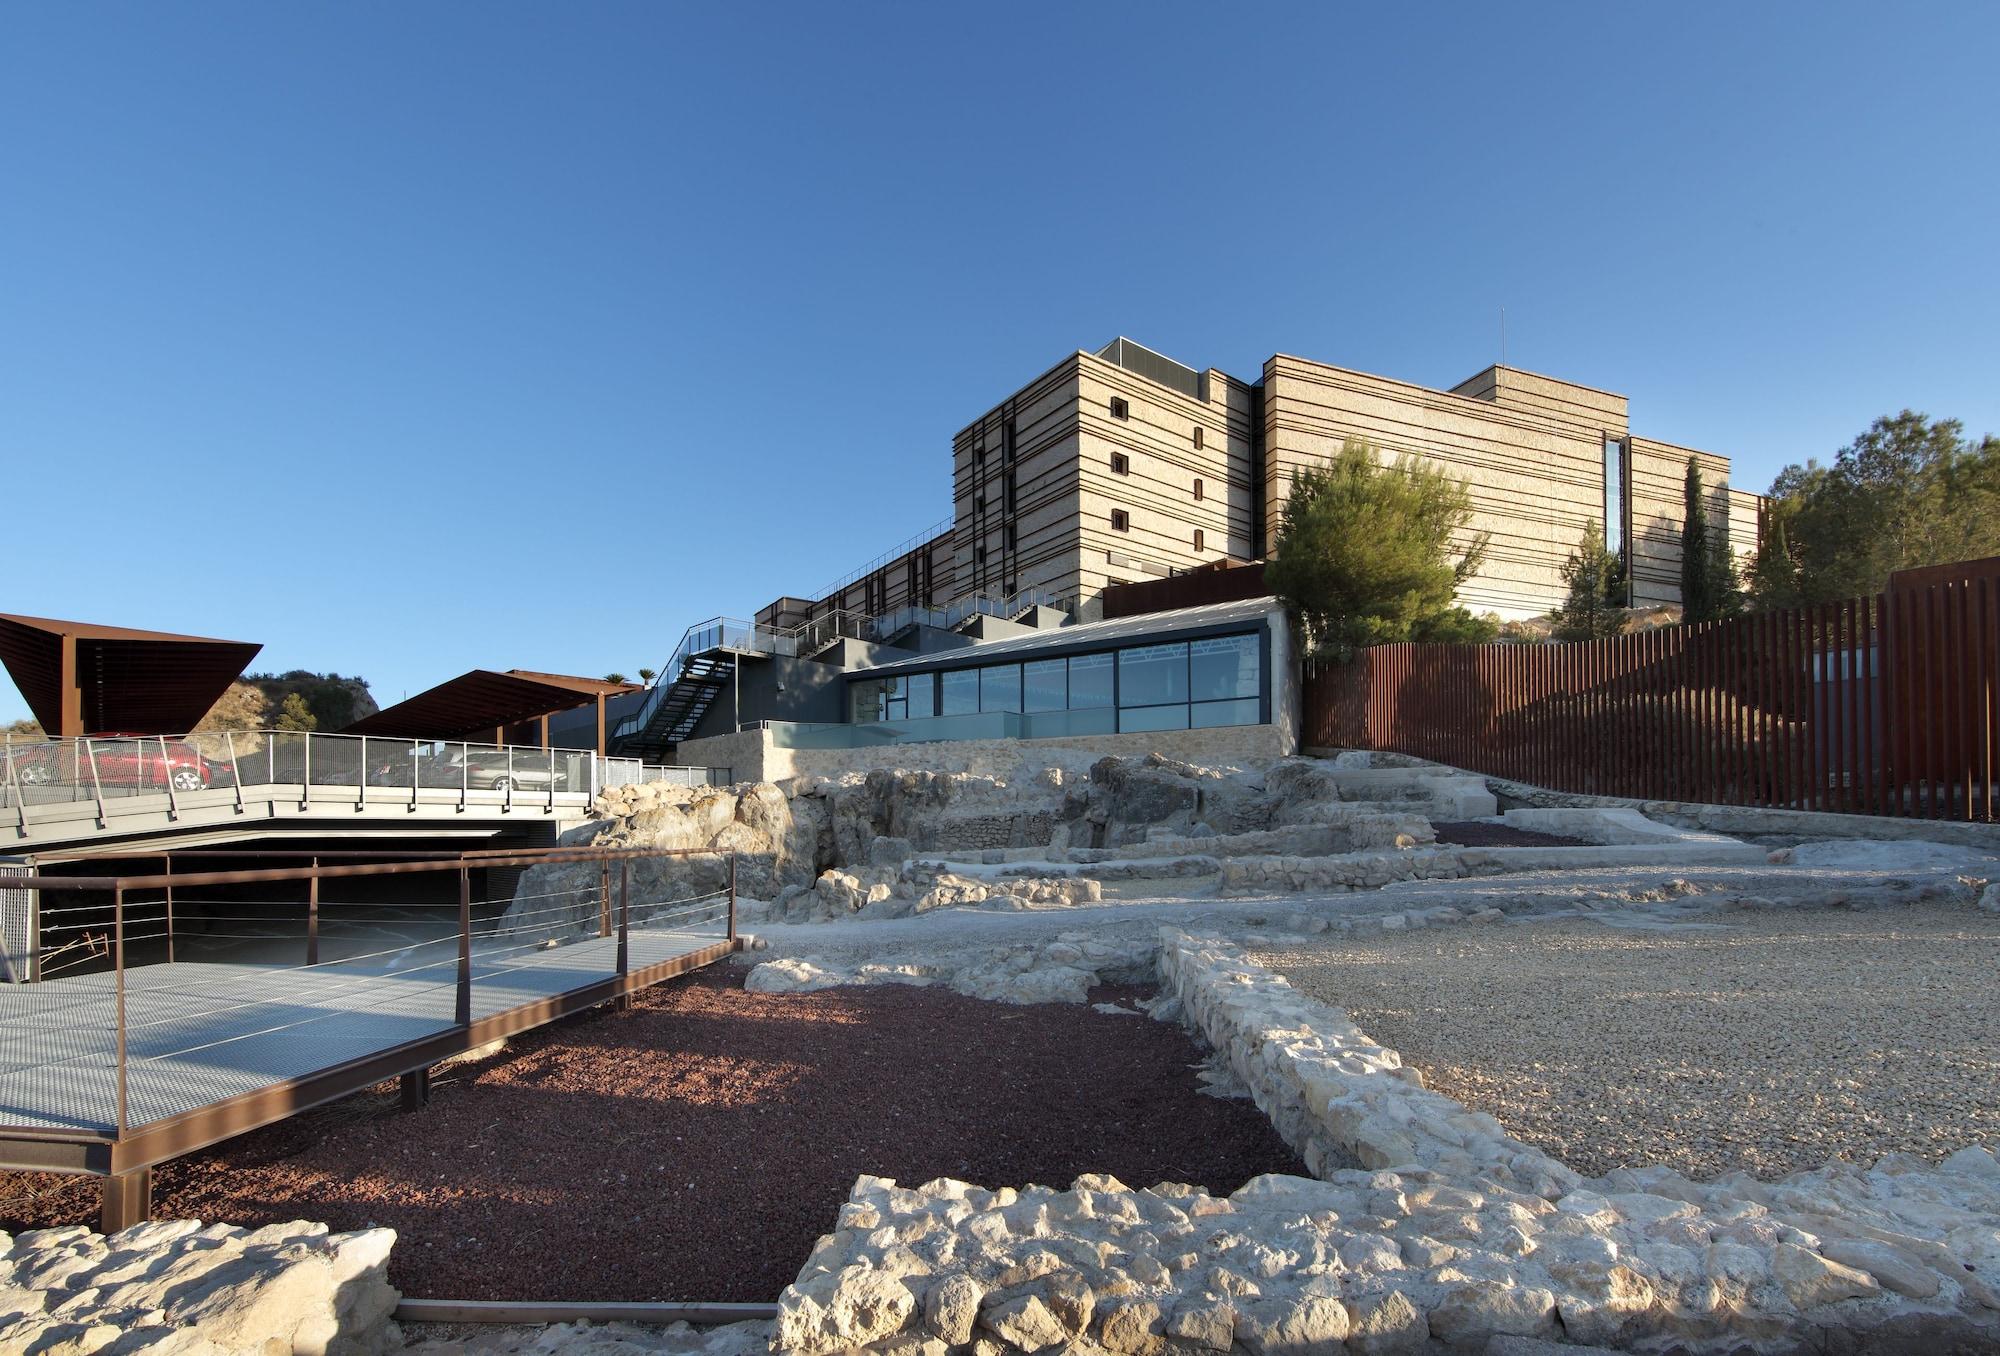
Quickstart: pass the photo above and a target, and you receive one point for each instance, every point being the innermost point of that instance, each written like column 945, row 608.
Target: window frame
column 1121, row 521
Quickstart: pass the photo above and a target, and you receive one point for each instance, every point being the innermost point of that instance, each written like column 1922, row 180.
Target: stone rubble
column 1064, row 970
column 1428, row 1229
column 1124, row 815
column 175, row 1286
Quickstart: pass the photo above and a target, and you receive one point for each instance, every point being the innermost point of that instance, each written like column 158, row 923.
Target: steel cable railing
column 200, row 1013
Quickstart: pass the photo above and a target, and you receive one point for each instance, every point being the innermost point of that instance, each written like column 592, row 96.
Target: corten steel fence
column 1888, row 705
column 113, row 1064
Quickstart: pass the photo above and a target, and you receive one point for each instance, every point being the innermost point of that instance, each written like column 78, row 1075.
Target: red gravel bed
column 1472, row 833
column 694, row 1147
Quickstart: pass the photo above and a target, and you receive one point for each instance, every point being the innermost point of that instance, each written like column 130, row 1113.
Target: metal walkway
column 114, row 1071
column 78, row 793
column 202, row 1032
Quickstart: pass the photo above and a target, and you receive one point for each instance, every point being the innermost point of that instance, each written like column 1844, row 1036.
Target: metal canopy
column 80, row 678
column 484, row 701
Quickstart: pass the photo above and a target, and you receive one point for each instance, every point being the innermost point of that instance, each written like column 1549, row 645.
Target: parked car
column 121, row 761
column 491, row 770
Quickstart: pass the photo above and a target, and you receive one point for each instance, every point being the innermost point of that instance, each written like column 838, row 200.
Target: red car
column 120, row 760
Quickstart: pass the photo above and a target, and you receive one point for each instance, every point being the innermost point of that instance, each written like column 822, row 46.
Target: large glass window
column 1242, row 711
column 1090, row 679
column 1153, row 717
column 1153, row 675
column 1224, row 667
column 1218, row 680
column 1614, row 496
column 1000, row 687
column 958, row 692
column 1045, row 685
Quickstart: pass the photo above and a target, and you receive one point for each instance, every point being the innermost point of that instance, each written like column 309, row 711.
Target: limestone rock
column 1470, row 1311
column 1024, row 1323
column 1810, row 1280
column 952, row 1308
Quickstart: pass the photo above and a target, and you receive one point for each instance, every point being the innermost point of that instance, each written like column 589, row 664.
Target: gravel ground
column 694, row 1147
column 1767, row 1042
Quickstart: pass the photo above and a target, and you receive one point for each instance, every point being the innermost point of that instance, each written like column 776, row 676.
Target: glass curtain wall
column 1174, row 685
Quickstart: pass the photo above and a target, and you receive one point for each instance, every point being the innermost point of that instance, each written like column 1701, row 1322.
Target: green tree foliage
column 614, row 678
column 1365, row 554
column 1694, row 547
column 1911, row 491
column 294, row 714
column 335, row 701
column 1709, row 587
column 1594, row 606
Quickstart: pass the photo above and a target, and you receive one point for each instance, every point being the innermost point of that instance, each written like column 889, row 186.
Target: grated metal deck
column 201, row 1032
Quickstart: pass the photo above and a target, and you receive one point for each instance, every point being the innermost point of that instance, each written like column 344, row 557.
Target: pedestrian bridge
column 67, row 794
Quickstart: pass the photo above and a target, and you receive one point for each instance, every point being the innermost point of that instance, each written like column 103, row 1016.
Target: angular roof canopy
column 117, row 680
column 482, row 701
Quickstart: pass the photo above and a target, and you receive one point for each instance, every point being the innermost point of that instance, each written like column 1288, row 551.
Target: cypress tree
column 1697, row 572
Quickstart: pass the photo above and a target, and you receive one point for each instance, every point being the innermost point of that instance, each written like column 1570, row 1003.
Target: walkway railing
column 112, row 1066
column 103, row 770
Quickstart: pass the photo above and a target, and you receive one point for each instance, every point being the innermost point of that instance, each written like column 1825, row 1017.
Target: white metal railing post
column 306, row 790
column 464, row 772
column 508, row 802
column 167, row 771
column 416, row 773
column 96, row 785
column 19, row 792
column 361, row 793
column 552, row 779
column 235, row 772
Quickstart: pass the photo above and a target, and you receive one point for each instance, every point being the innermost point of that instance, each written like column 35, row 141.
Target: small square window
column 1119, row 408
column 1120, row 522
column 1198, row 539
column 979, row 504
column 1121, row 465
column 1012, row 540
column 1197, row 435
column 1197, row 491
column 982, row 555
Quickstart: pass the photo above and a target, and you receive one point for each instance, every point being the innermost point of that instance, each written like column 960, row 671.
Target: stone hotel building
column 1122, row 466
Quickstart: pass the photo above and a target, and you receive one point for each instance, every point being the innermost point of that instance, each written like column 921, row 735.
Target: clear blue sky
column 412, row 338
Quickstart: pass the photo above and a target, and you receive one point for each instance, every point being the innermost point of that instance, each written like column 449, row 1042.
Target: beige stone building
column 1124, row 465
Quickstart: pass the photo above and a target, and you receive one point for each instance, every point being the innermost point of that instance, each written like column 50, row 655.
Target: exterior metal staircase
column 703, row 664
column 705, row 661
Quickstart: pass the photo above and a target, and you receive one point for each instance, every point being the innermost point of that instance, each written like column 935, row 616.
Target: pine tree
column 1368, row 554
column 1594, row 607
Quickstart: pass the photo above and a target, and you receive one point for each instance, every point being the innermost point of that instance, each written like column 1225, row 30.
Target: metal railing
column 632, row 772
column 159, row 1059
column 104, row 770
column 943, row 527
